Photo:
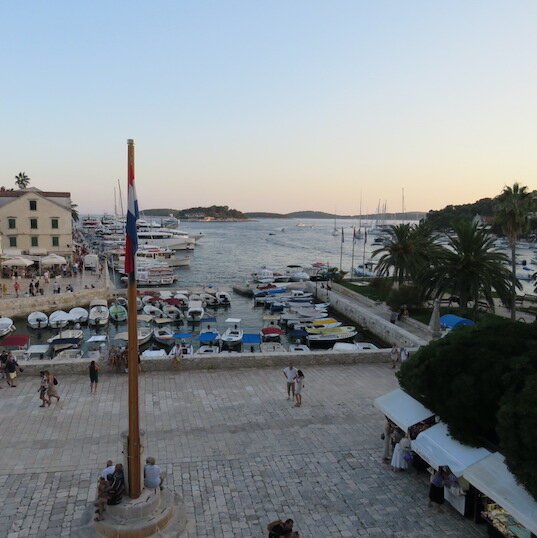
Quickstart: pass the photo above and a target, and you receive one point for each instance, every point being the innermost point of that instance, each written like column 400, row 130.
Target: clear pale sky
column 270, row 105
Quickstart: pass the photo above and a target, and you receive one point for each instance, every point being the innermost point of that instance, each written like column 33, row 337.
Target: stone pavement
column 231, row 445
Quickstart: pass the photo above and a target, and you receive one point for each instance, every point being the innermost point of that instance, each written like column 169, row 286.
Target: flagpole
column 353, row 241
column 341, row 252
column 134, row 417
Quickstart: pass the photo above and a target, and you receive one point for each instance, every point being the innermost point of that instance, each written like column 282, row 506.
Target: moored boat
column 37, row 320
column 59, row 319
column 6, row 326
column 79, row 314
column 98, row 313
column 117, row 313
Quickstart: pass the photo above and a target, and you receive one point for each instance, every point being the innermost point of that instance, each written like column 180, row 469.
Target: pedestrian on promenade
column 94, row 376
column 43, row 389
column 386, row 436
column 299, row 385
column 36, row 286
column 11, row 368
column 31, row 288
column 46, row 276
column 394, row 355
column 436, row 487
column 52, row 392
column 16, row 287
column 290, row 374
column 153, row 477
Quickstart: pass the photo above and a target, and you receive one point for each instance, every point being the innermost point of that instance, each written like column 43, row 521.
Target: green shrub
column 405, row 295
column 382, row 286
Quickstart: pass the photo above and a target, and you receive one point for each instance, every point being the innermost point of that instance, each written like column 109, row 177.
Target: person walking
column 386, row 436
column 52, row 392
column 94, row 376
column 290, row 374
column 394, row 355
column 299, row 385
column 11, row 368
column 43, row 389
column 17, row 287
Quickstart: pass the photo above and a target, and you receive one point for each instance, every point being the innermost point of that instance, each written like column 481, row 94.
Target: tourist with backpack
column 52, row 384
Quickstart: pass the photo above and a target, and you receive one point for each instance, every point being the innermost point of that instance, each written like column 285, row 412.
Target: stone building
column 36, row 222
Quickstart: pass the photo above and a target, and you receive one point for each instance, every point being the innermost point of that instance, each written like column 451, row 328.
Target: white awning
column 402, row 409
column 495, row 480
column 438, row 448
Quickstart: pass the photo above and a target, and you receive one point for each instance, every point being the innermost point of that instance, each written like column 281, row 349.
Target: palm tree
column 513, row 207
column 406, row 250
column 74, row 212
column 470, row 268
column 22, row 180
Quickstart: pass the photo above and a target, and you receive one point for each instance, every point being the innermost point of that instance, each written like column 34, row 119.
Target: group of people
column 9, row 368
column 398, row 355
column 295, row 383
column 47, row 388
column 111, row 485
column 396, row 447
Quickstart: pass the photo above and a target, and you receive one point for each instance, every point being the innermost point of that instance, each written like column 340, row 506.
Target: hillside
column 410, row 215
column 214, row 212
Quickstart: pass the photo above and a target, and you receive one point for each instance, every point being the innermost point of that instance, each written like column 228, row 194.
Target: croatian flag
column 131, row 236
column 342, row 236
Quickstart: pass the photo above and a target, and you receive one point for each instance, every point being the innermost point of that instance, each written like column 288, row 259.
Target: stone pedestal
column 154, row 513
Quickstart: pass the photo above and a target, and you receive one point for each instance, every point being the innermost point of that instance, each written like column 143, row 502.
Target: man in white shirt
column 110, row 468
column 290, row 374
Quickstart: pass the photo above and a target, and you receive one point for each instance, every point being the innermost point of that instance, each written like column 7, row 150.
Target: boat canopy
column 251, row 338
column 438, row 449
column 233, row 320
column 298, row 333
column 97, row 338
column 208, row 320
column 492, row 477
column 38, row 349
column 451, row 321
column 208, row 337
column 272, row 330
column 15, row 341
column 64, row 341
column 402, row 409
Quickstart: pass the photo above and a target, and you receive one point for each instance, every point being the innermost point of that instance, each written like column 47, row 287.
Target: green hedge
column 482, row 381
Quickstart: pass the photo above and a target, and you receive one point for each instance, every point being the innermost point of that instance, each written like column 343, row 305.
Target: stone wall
column 217, row 361
column 23, row 306
column 343, row 301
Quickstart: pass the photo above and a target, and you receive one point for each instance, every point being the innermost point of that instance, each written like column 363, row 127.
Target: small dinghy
column 223, row 298
column 98, row 314
column 163, row 335
column 66, row 339
column 59, row 319
column 151, row 310
column 172, row 312
column 79, row 314
column 118, row 313
column 6, row 326
column 37, row 320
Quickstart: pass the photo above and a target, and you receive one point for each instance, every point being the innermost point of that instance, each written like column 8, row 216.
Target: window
column 55, row 241
column 55, row 223
column 35, row 241
column 33, row 224
column 33, row 205
column 12, row 241
column 11, row 223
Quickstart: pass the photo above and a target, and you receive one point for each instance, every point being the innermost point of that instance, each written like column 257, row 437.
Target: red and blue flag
column 131, row 235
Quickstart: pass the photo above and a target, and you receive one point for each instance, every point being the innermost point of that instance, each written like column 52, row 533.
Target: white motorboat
column 334, row 334
column 172, row 312
column 271, row 347
column 353, row 346
column 154, row 354
column 79, row 314
column 271, row 334
column 208, row 331
column 122, row 301
column 209, row 299
column 6, row 326
column 59, row 319
column 98, row 313
column 66, row 339
column 151, row 310
column 163, row 335
column 144, row 334
column 195, row 310
column 223, row 298
column 295, row 348
column 37, row 320
column 233, row 335
column 117, row 313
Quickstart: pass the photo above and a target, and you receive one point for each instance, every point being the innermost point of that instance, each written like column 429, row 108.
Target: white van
column 91, row 262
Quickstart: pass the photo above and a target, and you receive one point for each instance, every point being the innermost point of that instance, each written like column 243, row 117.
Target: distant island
column 409, row 215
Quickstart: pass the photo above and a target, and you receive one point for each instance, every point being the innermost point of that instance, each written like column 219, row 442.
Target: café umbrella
column 53, row 259
column 17, row 262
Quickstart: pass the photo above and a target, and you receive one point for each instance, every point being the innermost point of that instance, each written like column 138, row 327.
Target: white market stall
column 402, row 409
column 439, row 449
column 491, row 476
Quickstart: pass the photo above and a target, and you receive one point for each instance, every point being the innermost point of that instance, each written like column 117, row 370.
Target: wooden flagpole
column 134, row 448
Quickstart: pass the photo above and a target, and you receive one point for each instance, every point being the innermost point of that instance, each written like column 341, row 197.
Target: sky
column 270, row 105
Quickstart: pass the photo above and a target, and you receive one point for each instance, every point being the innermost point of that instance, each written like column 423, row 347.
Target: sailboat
column 358, row 233
column 335, row 231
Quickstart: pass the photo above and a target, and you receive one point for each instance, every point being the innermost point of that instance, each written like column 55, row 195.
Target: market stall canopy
column 438, row 449
column 402, row 409
column 17, row 262
column 53, row 259
column 492, row 477
column 451, row 321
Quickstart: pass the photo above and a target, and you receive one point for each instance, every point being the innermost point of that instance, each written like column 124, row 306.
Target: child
column 299, row 384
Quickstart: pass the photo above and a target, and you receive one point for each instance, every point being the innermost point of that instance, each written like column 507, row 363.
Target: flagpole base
column 154, row 513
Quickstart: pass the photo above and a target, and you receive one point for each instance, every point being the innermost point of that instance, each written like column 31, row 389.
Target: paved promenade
column 232, row 446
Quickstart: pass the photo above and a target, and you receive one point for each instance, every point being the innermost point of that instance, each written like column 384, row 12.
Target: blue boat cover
column 208, row 337
column 208, row 320
column 276, row 290
column 180, row 336
column 451, row 321
column 251, row 338
column 298, row 333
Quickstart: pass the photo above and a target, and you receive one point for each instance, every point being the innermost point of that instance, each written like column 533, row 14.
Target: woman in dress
column 401, row 452
column 94, row 376
column 51, row 391
column 299, row 384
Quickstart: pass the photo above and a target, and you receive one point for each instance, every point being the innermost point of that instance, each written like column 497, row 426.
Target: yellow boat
column 330, row 330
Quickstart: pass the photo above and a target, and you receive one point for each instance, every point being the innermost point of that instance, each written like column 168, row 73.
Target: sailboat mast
column 403, row 204
column 120, row 198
